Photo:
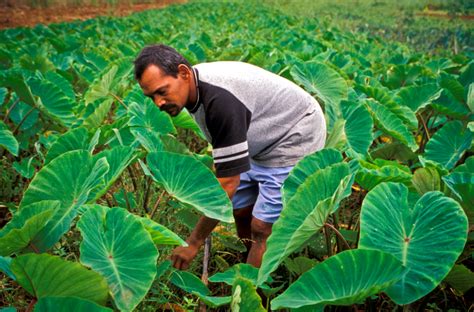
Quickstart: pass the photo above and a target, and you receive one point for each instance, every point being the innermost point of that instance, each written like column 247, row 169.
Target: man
column 258, row 123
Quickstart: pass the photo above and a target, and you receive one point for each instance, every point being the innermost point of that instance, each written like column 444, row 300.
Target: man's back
column 275, row 104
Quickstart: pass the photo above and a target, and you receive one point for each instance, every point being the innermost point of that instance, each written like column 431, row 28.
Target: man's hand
column 182, row 256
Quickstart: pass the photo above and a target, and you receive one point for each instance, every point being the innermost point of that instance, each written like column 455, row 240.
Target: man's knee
column 260, row 230
column 243, row 213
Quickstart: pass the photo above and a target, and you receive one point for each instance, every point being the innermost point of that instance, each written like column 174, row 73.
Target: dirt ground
column 14, row 15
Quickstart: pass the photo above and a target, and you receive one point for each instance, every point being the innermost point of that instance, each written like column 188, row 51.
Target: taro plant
column 99, row 184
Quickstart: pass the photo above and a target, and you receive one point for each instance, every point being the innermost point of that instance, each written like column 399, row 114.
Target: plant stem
column 132, row 176
column 425, row 127
column 31, row 305
column 328, row 241
column 339, row 235
column 157, row 203
column 118, row 100
column 147, row 193
column 125, row 194
column 35, row 249
column 23, row 120
column 205, row 268
column 10, row 109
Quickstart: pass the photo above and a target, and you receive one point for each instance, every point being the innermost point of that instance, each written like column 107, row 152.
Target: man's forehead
column 152, row 78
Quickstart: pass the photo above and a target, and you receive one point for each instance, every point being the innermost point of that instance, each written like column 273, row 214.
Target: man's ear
column 184, row 71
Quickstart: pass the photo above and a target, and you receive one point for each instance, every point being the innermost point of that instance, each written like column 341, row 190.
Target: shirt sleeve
column 228, row 121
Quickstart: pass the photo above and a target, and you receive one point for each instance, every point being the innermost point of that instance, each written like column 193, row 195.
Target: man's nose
column 159, row 101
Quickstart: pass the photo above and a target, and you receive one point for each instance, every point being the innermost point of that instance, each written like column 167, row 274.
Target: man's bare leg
column 260, row 231
column 243, row 220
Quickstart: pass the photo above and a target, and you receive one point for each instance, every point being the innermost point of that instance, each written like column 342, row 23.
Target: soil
column 441, row 14
column 14, row 15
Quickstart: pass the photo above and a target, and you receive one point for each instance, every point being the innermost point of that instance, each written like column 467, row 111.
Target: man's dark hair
column 163, row 56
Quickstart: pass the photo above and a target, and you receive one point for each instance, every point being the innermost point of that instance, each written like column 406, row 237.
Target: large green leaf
column 101, row 87
column 43, row 275
column 382, row 97
column 189, row 282
column 306, row 167
column 118, row 159
column 448, row 104
column 245, row 297
column 460, row 278
column 426, row 180
column 146, row 115
column 116, row 245
column 448, row 144
column 418, row 97
column 192, row 284
column 160, row 234
column 72, row 176
column 325, row 83
column 344, row 279
column 470, row 97
column 68, row 304
column 358, row 126
column 5, row 263
column 147, row 122
column 53, row 101
column 461, row 183
column 241, row 269
column 370, row 175
column 427, row 237
column 8, row 140
column 390, row 124
column 16, row 80
column 62, row 83
column 96, row 118
column 305, row 213
column 187, row 179
column 23, row 113
column 185, row 121
column 75, row 139
column 25, row 225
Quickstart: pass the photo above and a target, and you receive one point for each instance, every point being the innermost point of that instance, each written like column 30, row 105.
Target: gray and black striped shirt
column 252, row 115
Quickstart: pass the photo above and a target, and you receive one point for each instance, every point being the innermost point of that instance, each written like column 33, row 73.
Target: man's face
column 169, row 93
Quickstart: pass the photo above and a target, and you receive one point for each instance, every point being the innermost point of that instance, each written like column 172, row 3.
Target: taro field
column 98, row 185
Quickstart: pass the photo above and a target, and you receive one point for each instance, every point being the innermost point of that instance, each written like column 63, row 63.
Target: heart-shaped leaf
column 25, row 225
column 43, row 275
column 344, row 279
column 187, row 179
column 73, row 176
column 305, row 214
column 116, row 245
column 448, row 144
column 427, row 237
column 68, row 304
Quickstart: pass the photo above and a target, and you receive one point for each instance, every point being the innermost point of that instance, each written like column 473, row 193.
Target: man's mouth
column 170, row 108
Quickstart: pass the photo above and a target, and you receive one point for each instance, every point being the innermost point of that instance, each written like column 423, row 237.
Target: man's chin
column 174, row 113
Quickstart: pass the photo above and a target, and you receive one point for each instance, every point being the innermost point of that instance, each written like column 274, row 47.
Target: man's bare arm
column 182, row 256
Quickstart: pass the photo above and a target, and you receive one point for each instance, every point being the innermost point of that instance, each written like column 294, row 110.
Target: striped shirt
column 249, row 114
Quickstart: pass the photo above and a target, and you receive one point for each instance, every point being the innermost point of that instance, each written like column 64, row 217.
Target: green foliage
column 193, row 184
column 121, row 250
column 344, row 279
column 394, row 115
column 426, row 237
column 49, row 276
column 66, row 304
column 448, row 144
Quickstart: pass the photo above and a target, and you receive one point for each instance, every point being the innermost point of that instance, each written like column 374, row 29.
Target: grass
column 401, row 20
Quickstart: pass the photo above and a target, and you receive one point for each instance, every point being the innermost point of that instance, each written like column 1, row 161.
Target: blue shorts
column 261, row 187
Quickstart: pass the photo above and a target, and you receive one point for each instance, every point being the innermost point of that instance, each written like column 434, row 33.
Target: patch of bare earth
column 14, row 15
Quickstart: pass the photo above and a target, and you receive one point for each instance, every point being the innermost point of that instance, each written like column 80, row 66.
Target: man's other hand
column 182, row 256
